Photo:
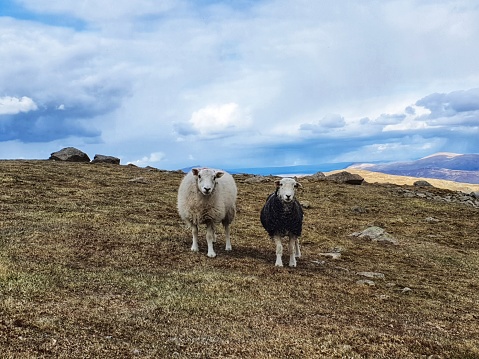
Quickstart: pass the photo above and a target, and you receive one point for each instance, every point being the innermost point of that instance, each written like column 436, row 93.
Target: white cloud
column 153, row 159
column 213, row 120
column 14, row 105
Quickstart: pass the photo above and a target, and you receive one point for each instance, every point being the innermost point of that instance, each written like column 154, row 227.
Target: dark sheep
column 282, row 216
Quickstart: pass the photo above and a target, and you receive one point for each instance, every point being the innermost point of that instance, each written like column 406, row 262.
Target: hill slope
column 447, row 166
column 93, row 264
column 379, row 177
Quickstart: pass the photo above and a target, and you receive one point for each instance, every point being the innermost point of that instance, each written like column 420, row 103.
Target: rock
column 70, row 154
column 367, row 282
column 371, row 274
column 376, row 234
column 141, row 180
column 406, row 290
column 345, row 177
column 432, row 220
column 257, row 179
column 332, row 255
column 359, row 210
column 106, row 159
column 453, row 197
column 422, row 183
column 305, row 204
column 318, row 176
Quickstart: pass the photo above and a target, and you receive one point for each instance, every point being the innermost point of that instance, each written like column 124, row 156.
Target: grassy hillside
column 93, row 265
column 373, row 177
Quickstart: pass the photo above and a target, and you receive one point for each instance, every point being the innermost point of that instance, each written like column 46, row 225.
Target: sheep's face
column 285, row 189
column 206, row 179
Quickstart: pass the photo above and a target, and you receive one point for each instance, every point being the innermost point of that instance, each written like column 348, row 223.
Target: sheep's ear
column 195, row 171
column 277, row 183
column 219, row 174
column 298, row 185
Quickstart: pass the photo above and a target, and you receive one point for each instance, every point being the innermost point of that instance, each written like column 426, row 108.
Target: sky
column 234, row 84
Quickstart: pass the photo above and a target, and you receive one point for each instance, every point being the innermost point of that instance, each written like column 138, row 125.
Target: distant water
column 291, row 170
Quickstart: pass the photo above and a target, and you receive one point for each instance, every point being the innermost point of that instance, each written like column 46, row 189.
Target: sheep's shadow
column 242, row 252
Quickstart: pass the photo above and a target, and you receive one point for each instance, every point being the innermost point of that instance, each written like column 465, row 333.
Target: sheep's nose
column 288, row 197
column 207, row 189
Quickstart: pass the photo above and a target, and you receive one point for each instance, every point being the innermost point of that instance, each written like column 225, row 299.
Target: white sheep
column 281, row 216
column 207, row 196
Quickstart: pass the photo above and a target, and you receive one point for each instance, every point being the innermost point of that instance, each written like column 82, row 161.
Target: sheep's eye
column 199, row 176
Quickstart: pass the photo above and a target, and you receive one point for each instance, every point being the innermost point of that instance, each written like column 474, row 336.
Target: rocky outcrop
column 106, row 159
column 345, row 177
column 70, row 154
column 422, row 183
column 376, row 234
column 469, row 199
column 318, row 176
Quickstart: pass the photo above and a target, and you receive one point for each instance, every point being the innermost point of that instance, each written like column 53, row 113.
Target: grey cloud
column 184, row 129
column 410, row 110
column 364, row 120
column 75, row 118
column 389, row 119
column 45, row 125
column 450, row 104
column 331, row 121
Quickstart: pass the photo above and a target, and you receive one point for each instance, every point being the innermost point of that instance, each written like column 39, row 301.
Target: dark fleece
column 281, row 218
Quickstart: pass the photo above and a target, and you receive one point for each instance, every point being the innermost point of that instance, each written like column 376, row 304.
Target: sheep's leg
column 227, row 237
column 194, row 246
column 291, row 248
column 279, row 251
column 210, row 238
column 297, row 250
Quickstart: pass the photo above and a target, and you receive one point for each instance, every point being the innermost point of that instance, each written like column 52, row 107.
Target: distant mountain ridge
column 447, row 166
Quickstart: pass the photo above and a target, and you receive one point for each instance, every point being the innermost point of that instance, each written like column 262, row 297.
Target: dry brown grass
column 94, row 266
column 373, row 177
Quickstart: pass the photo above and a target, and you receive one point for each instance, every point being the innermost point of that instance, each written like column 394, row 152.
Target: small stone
column 371, row 274
column 334, row 255
column 139, row 180
column 367, row 282
column 305, row 204
column 376, row 234
column 257, row 179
